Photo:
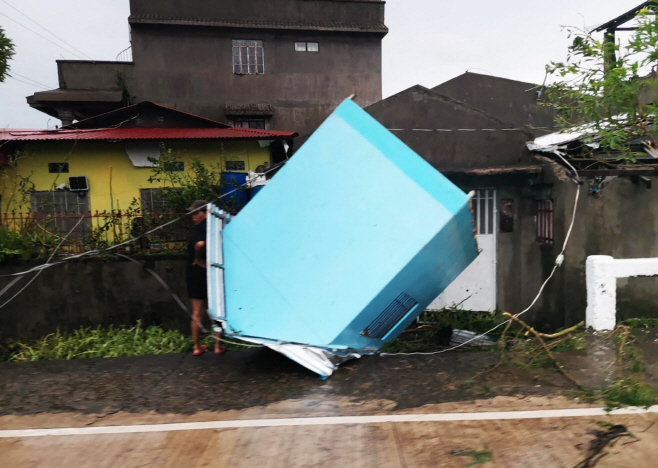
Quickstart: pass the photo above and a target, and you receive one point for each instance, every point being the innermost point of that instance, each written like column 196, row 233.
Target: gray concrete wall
column 89, row 75
column 343, row 11
column 191, row 69
column 621, row 221
column 91, row 293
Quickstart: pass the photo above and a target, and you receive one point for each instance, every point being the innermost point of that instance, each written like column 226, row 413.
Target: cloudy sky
column 430, row 41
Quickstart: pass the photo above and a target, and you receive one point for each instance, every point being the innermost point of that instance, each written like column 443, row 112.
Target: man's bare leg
column 197, row 313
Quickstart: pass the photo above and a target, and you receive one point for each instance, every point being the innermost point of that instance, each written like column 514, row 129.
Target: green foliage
column 104, row 342
column 6, row 53
column 629, row 392
column 641, row 322
column 602, row 83
column 435, row 328
column 31, row 240
column 196, row 182
column 479, row 457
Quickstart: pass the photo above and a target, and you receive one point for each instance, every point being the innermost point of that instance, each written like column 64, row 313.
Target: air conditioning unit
column 78, row 184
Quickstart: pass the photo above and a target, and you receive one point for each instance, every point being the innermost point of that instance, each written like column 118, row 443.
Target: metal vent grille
column 78, row 183
column 390, row 317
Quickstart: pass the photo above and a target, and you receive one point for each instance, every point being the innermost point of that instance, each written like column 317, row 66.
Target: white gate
column 475, row 288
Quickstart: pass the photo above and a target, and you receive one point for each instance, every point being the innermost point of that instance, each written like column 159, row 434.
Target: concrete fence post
column 601, row 311
column 602, row 273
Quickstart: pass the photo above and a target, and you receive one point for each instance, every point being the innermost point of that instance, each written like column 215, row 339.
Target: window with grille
column 544, row 222
column 258, row 124
column 155, row 201
column 483, row 211
column 248, row 57
column 59, row 211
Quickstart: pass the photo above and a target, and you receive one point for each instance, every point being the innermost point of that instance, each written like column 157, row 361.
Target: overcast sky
column 430, row 41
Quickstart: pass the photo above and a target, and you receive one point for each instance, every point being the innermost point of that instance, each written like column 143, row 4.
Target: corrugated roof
column 141, row 133
column 269, row 24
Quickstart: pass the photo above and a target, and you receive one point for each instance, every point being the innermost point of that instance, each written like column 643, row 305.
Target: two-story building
column 264, row 64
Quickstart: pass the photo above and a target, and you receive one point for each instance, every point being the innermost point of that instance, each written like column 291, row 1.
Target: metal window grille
column 258, row 124
column 483, row 211
column 544, row 222
column 248, row 57
column 390, row 317
column 59, row 211
column 154, row 201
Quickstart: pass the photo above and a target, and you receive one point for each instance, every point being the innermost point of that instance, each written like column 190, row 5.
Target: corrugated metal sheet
column 144, row 134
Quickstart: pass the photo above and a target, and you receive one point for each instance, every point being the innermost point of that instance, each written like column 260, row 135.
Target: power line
column 44, row 28
column 30, row 79
column 43, row 37
column 27, row 82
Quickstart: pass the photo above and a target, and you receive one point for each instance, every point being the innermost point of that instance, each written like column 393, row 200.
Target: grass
column 479, row 457
column 629, row 392
column 103, row 342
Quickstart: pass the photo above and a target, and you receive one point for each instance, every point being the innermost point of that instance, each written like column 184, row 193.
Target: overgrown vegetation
column 104, row 342
column 197, row 182
column 6, row 53
column 629, row 392
column 602, row 83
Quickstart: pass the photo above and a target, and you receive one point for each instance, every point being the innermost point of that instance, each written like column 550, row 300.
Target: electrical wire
column 44, row 28
column 558, row 262
column 43, row 37
column 39, row 272
column 26, row 82
column 30, row 79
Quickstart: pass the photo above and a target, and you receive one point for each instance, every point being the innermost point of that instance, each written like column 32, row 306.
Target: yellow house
column 104, row 163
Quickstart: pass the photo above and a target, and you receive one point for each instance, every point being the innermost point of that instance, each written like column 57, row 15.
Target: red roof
column 144, row 133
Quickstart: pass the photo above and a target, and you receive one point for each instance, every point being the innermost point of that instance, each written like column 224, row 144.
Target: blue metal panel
column 352, row 220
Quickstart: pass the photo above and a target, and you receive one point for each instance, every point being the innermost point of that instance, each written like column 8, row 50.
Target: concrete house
column 264, row 64
column 103, row 163
column 476, row 135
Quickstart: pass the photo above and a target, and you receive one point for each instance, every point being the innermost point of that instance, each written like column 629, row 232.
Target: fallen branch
column 559, row 366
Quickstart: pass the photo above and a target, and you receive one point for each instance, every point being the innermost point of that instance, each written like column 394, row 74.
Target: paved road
column 260, row 385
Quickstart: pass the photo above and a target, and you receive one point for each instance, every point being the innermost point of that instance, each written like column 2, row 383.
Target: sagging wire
column 558, row 262
column 182, row 305
column 38, row 272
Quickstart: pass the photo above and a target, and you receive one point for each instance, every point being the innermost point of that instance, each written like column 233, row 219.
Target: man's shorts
column 197, row 286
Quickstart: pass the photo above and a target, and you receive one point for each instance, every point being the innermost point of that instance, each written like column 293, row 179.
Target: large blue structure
column 343, row 248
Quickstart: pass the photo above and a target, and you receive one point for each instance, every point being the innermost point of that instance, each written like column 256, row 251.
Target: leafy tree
column 606, row 87
column 196, row 182
column 6, row 53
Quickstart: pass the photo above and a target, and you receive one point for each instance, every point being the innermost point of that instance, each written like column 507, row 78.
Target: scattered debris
column 601, row 441
column 462, row 336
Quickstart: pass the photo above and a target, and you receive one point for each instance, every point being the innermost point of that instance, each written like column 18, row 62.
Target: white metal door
column 475, row 288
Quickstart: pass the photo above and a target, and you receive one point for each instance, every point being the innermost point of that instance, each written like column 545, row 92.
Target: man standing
column 196, row 274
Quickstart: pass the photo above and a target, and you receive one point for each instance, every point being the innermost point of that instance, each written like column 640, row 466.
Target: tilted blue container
column 347, row 244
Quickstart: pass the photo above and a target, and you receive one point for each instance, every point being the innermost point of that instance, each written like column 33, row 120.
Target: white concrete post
column 601, row 311
column 602, row 273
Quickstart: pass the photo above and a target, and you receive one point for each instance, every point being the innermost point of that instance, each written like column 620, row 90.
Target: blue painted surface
column 351, row 221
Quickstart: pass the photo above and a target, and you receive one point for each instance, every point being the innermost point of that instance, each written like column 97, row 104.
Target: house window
column 154, row 200
column 61, row 210
column 258, row 124
column 235, row 166
column 544, row 222
column 58, row 168
column 248, row 58
column 175, row 166
column 482, row 205
column 307, row 47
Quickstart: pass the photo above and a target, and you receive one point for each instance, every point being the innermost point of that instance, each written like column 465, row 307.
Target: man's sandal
column 200, row 351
